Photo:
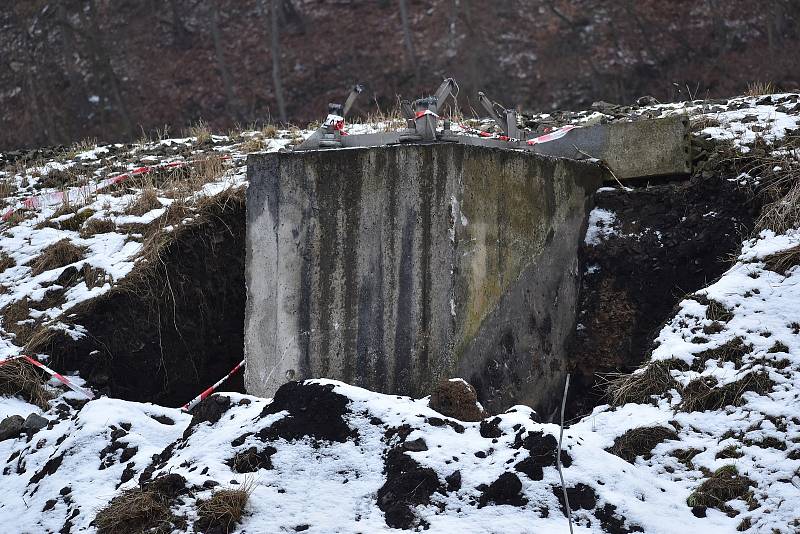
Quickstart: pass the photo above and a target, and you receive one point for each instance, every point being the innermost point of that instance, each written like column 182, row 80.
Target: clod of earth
column 457, row 399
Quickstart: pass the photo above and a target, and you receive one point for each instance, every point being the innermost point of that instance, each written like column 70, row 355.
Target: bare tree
column 89, row 30
column 407, row 40
column 231, row 104
column 70, row 56
column 180, row 33
column 276, row 58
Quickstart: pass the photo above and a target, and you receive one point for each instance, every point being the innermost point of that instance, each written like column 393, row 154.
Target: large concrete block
column 394, row 267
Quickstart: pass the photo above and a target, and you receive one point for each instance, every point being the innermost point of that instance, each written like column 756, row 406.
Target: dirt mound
column 407, row 484
column 504, row 490
column 314, row 411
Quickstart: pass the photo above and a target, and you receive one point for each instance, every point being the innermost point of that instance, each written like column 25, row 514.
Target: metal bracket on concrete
column 642, row 148
column 329, row 135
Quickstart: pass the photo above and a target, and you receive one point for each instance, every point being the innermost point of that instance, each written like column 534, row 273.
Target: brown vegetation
column 703, row 394
column 653, row 379
column 14, row 313
column 640, row 442
column 782, row 261
column 59, row 254
column 144, row 509
column 145, row 202
column 724, row 485
column 732, row 351
column 98, row 226
column 223, row 510
column 19, row 377
column 136, row 510
column 6, row 262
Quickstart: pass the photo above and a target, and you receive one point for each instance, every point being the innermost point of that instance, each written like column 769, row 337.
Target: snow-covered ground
column 727, row 391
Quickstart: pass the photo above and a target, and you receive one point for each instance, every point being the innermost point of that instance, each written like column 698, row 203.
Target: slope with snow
column 705, row 437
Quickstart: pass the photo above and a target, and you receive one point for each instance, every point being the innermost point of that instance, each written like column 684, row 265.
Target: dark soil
column 208, row 410
column 407, row 484
column 543, row 450
column 314, row 411
column 612, row 522
column 173, row 329
column 251, row 460
column 581, row 497
column 490, row 428
column 505, row 490
column 639, row 278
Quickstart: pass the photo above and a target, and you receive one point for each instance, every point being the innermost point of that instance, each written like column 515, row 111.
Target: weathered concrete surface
column 394, row 267
column 655, row 147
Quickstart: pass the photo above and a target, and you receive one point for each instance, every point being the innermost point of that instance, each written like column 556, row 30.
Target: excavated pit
column 172, row 328
column 166, row 336
column 668, row 240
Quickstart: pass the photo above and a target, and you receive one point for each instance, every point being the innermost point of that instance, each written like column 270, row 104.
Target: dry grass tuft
column 41, row 340
column 98, row 226
column 702, row 394
column 777, row 167
column 732, row 351
column 6, row 262
column 782, row 261
column 717, row 312
column 146, row 202
column 270, row 131
column 783, row 212
column 223, row 510
column 136, row 510
column 183, row 181
column 253, row 144
column 19, row 377
column 201, row 132
column 637, row 387
column 57, row 255
column 15, row 312
column 73, row 223
column 7, row 188
column 724, row 485
column 83, row 145
column 760, row 88
column 640, row 442
column 144, row 509
column 93, row 276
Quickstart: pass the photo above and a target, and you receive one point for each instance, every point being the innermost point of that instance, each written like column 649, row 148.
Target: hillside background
column 115, row 70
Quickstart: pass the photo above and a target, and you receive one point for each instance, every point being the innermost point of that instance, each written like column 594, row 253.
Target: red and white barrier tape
column 78, row 194
column 58, row 376
column 552, row 136
column 192, row 403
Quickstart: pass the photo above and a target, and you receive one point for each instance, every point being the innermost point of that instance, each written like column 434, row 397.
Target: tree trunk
column 276, row 59
column 103, row 61
column 183, row 38
column 77, row 85
column 407, row 41
column 231, row 105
